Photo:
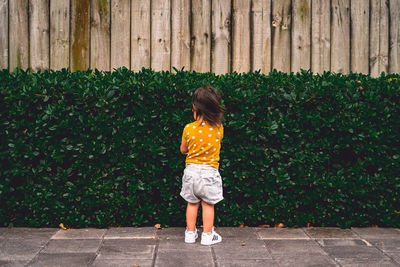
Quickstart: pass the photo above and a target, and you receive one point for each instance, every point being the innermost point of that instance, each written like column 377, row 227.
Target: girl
column 201, row 182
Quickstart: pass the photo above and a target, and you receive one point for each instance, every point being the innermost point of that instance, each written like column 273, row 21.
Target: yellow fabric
column 204, row 143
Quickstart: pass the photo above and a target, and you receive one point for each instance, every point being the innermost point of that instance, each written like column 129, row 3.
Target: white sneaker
column 210, row 238
column 190, row 236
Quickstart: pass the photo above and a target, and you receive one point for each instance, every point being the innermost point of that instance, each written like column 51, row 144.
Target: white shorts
column 201, row 182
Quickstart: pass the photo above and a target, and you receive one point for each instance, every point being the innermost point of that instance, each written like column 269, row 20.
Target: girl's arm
column 184, row 147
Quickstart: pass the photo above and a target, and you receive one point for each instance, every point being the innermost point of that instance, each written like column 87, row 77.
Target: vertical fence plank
column 321, row 36
column 180, row 34
column 359, row 36
column 301, row 35
column 100, row 35
column 221, row 37
column 59, row 34
column 3, row 34
column 160, row 31
column 39, row 34
column 281, row 28
column 394, row 51
column 261, row 41
column 120, row 33
column 241, row 36
column 201, row 36
column 140, row 36
column 379, row 37
column 80, row 38
column 340, row 49
column 18, row 33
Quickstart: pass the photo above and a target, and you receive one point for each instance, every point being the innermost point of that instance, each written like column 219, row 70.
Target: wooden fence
column 203, row 35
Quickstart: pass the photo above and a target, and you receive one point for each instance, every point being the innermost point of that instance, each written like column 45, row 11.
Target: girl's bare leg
column 208, row 216
column 191, row 215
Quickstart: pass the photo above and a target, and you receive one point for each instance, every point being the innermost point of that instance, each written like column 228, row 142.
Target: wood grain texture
column 201, row 36
column 59, row 34
column 241, row 36
column 120, row 33
column 3, row 34
column 261, row 41
column 160, row 39
column 394, row 45
column 221, row 37
column 301, row 35
column 180, row 34
column 80, row 34
column 281, row 29
column 360, row 36
column 140, row 36
column 320, row 36
column 100, row 35
column 340, row 36
column 39, row 42
column 379, row 37
column 18, row 34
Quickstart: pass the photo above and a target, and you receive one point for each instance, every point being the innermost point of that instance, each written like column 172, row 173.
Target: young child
column 201, row 181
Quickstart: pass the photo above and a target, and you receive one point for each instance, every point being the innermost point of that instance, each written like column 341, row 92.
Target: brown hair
column 207, row 103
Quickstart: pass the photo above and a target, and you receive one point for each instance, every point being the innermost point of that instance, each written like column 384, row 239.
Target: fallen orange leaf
column 241, row 226
column 158, row 226
column 264, row 225
column 361, row 88
column 280, row 225
column 135, row 265
column 243, row 244
column 63, row 227
column 374, row 226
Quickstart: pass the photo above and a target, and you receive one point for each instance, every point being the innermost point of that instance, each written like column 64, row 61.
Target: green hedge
column 100, row 149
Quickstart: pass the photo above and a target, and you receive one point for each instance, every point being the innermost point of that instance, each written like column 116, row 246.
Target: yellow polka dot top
column 204, row 143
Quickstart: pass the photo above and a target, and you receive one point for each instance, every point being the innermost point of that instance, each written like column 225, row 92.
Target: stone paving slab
column 300, row 260
column 386, row 245
column 171, row 244
column 122, row 263
column 146, row 246
column 13, row 263
column 377, row 233
column 130, row 232
column 293, row 246
column 86, row 233
column 395, row 256
column 20, row 249
column 2, row 230
column 23, row 232
column 230, row 249
column 185, row 258
column 247, row 263
column 72, row 246
column 357, row 255
column 240, row 233
column 68, row 259
column 342, row 242
column 127, row 249
column 173, row 233
column 329, row 232
column 281, row 233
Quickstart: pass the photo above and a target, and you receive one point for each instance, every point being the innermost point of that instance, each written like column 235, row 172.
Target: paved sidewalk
column 148, row 246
